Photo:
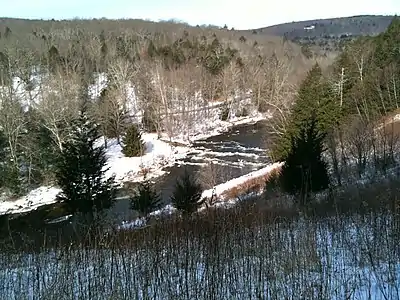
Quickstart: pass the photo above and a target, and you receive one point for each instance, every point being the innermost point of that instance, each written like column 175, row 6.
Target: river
column 234, row 153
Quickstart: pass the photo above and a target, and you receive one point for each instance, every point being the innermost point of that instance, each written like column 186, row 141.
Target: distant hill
column 328, row 32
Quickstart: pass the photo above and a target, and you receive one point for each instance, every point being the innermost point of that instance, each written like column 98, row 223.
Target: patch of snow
column 213, row 126
column 60, row 219
column 100, row 83
column 396, row 118
column 43, row 195
column 158, row 155
column 220, row 189
column 166, row 210
column 142, row 222
column 138, row 223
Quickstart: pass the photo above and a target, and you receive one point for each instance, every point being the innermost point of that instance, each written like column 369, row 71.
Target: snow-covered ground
column 38, row 197
column 158, row 155
column 221, row 189
column 347, row 257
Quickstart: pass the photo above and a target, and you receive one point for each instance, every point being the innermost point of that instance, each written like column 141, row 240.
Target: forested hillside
column 160, row 76
column 329, row 33
column 349, row 110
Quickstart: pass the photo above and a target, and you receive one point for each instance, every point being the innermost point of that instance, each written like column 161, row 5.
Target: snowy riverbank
column 220, row 192
column 159, row 155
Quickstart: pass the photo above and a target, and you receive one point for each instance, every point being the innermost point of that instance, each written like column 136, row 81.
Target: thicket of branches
column 249, row 251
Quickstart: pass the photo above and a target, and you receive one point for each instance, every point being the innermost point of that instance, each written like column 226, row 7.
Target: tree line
column 341, row 120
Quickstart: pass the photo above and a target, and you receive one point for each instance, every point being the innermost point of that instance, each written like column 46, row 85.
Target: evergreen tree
column 187, row 194
column 313, row 100
column 103, row 49
column 304, row 170
column 80, row 172
column 151, row 49
column 7, row 32
column 388, row 45
column 114, row 118
column 132, row 143
column 145, row 199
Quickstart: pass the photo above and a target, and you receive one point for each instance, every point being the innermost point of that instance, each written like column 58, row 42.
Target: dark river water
column 234, row 153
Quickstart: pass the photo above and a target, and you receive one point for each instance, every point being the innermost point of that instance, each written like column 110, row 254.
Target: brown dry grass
column 254, row 185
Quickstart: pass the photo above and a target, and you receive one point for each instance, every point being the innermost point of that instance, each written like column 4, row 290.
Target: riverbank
column 160, row 154
column 226, row 194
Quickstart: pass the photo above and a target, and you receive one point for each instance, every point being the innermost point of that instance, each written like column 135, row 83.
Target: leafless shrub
column 245, row 252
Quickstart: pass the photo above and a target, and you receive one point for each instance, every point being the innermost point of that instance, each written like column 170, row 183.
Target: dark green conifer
column 304, row 170
column 187, row 194
column 145, row 199
column 132, row 143
column 81, row 170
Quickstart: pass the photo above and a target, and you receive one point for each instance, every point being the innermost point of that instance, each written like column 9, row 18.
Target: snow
column 220, row 189
column 100, row 83
column 43, row 195
column 209, row 124
column 158, row 155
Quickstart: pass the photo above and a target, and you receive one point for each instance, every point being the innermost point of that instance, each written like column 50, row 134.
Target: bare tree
column 162, row 89
column 272, row 90
column 210, row 175
column 332, row 147
column 12, row 123
column 359, row 143
column 24, row 70
column 229, row 78
column 148, row 99
column 60, row 99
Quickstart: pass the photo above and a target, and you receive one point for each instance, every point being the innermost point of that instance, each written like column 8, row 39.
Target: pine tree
column 80, row 172
column 388, row 45
column 304, row 170
column 313, row 100
column 132, row 142
column 145, row 199
column 187, row 194
column 54, row 59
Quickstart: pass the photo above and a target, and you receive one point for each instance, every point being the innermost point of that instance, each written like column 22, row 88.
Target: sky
column 247, row 14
